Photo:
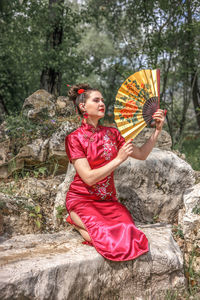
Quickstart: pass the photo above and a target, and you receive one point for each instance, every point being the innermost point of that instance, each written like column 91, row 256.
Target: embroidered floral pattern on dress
column 100, row 190
column 108, row 146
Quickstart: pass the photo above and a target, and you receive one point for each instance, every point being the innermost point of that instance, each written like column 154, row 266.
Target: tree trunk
column 50, row 79
column 192, row 65
column 196, row 102
column 3, row 108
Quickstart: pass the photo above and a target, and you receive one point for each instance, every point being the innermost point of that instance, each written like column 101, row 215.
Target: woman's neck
column 93, row 122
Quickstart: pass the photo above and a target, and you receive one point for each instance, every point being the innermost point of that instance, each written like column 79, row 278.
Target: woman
column 96, row 151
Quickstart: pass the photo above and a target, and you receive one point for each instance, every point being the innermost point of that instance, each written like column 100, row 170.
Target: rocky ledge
column 58, row 266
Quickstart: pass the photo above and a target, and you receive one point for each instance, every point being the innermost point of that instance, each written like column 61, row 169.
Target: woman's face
column 95, row 106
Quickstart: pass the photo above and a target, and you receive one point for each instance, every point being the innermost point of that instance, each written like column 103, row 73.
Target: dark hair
column 80, row 98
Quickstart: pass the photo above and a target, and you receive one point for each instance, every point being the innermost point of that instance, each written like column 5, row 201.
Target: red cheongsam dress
column 108, row 222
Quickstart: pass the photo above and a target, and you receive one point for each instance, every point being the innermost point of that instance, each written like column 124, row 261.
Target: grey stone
column 59, row 267
column 50, row 152
column 57, row 151
column 64, row 107
column 39, row 104
column 152, row 189
column 189, row 222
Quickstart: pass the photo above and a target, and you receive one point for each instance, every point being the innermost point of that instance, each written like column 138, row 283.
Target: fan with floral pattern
column 136, row 101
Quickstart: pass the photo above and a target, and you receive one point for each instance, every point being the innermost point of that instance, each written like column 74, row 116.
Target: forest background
column 51, row 43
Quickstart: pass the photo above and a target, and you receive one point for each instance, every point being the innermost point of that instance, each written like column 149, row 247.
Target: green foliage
column 24, row 30
column 177, row 230
column 61, row 212
column 7, row 189
column 41, row 171
column 155, row 219
column 196, row 210
column 171, row 295
column 36, row 215
column 191, row 148
column 192, row 276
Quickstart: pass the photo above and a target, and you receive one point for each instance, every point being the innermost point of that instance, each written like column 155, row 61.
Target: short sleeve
column 120, row 139
column 73, row 147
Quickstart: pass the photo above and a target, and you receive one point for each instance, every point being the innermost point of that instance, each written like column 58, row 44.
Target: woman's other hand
column 159, row 117
column 125, row 151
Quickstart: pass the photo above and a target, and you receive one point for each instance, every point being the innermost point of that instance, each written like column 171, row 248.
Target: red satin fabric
column 108, row 222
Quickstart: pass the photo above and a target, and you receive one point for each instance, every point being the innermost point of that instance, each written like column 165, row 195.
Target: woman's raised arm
column 143, row 151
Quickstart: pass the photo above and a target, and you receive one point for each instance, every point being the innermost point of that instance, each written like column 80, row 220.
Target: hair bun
column 73, row 92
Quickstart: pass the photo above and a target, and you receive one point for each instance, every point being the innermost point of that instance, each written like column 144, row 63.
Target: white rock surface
column 50, row 152
column 152, row 189
column 56, row 145
column 189, row 221
column 62, row 191
column 39, row 103
column 64, row 107
column 59, row 267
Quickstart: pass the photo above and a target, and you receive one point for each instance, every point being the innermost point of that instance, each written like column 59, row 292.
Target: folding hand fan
column 136, row 101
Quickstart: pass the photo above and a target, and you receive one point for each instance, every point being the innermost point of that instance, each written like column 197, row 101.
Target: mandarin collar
column 90, row 127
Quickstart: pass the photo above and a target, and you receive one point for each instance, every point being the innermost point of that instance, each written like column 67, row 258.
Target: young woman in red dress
column 96, row 151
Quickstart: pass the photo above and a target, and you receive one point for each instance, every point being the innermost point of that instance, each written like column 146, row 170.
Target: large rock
column 57, row 151
column 152, row 189
column 39, row 104
column 50, row 152
column 35, row 152
column 189, row 222
column 59, row 267
column 64, row 107
column 31, row 154
column 18, row 208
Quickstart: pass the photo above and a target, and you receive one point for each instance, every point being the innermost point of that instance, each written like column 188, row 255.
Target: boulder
column 40, row 187
column 34, row 153
column 152, row 189
column 50, row 152
column 164, row 141
column 189, row 222
column 39, row 104
column 14, row 164
column 29, row 155
column 57, row 152
column 58, row 266
column 64, row 107
column 19, row 212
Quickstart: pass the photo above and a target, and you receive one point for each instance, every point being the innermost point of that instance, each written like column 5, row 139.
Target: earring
column 85, row 115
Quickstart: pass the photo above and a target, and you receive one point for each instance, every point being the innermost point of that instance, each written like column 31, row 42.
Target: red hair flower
column 81, row 91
